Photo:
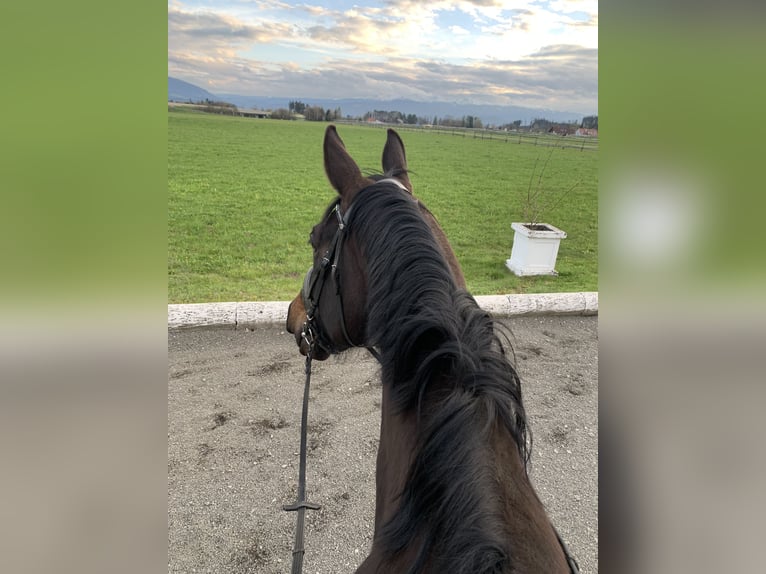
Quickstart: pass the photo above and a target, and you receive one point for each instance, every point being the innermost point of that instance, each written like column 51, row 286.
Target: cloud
column 209, row 28
column 459, row 31
column 591, row 22
column 569, row 6
column 560, row 77
column 207, row 25
column 420, row 51
column 357, row 31
column 374, row 31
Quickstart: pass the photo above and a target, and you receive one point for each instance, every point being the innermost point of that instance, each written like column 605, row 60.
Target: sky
column 532, row 53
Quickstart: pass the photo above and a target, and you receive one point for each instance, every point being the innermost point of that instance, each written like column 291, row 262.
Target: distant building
column 590, row 132
column 254, row 114
column 561, row 130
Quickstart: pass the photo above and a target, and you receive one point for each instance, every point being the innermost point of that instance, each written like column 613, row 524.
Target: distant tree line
column 317, row 113
column 464, row 122
column 297, row 108
column 513, row 126
column 396, row 117
column 282, row 114
column 311, row 113
column 392, row 117
column 542, row 125
column 218, row 107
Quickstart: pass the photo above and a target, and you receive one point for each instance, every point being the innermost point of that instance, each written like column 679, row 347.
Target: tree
column 282, row 114
column 540, row 125
column 297, row 107
column 590, row 122
column 218, row 107
column 314, row 113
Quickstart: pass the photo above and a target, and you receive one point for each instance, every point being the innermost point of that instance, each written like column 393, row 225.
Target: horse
column 452, row 489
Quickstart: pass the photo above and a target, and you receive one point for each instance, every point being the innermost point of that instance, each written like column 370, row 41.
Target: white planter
column 534, row 250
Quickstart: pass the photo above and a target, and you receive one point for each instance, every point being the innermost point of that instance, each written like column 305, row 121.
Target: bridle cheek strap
column 313, row 287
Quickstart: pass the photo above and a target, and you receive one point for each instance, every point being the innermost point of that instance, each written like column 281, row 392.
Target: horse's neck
column 533, row 545
column 524, row 516
column 396, row 450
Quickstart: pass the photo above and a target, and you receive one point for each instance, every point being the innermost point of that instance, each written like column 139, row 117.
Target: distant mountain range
column 181, row 91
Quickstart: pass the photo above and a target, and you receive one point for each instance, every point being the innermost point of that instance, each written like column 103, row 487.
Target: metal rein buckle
column 307, row 334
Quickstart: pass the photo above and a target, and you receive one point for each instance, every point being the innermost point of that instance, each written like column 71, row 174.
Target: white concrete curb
column 241, row 315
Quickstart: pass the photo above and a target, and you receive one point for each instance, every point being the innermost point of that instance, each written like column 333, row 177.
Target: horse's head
column 330, row 307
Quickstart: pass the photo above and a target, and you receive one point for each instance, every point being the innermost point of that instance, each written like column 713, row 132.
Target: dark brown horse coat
column 452, row 488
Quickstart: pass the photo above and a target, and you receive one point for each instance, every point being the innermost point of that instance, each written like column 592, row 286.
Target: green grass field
column 243, row 195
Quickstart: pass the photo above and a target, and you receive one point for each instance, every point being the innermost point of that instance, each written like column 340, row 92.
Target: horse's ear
column 395, row 160
column 341, row 169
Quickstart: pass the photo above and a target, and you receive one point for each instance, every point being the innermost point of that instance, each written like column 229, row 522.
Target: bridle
column 315, row 280
column 314, row 334
column 314, row 284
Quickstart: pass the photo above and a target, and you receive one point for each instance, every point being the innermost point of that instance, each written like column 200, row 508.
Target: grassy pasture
column 243, row 195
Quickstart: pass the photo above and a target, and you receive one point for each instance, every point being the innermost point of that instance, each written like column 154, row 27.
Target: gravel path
column 234, row 399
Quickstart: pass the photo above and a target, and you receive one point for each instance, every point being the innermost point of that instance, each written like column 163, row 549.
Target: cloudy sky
column 533, row 53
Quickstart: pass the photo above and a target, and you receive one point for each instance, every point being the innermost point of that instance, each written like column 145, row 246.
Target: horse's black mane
column 434, row 338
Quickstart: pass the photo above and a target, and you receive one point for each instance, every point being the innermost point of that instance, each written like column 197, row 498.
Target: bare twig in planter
column 536, row 203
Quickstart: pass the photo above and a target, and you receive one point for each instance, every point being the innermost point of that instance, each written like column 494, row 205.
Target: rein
column 574, row 567
column 301, row 504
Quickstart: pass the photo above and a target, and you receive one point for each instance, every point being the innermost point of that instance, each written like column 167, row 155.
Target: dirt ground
column 234, row 408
